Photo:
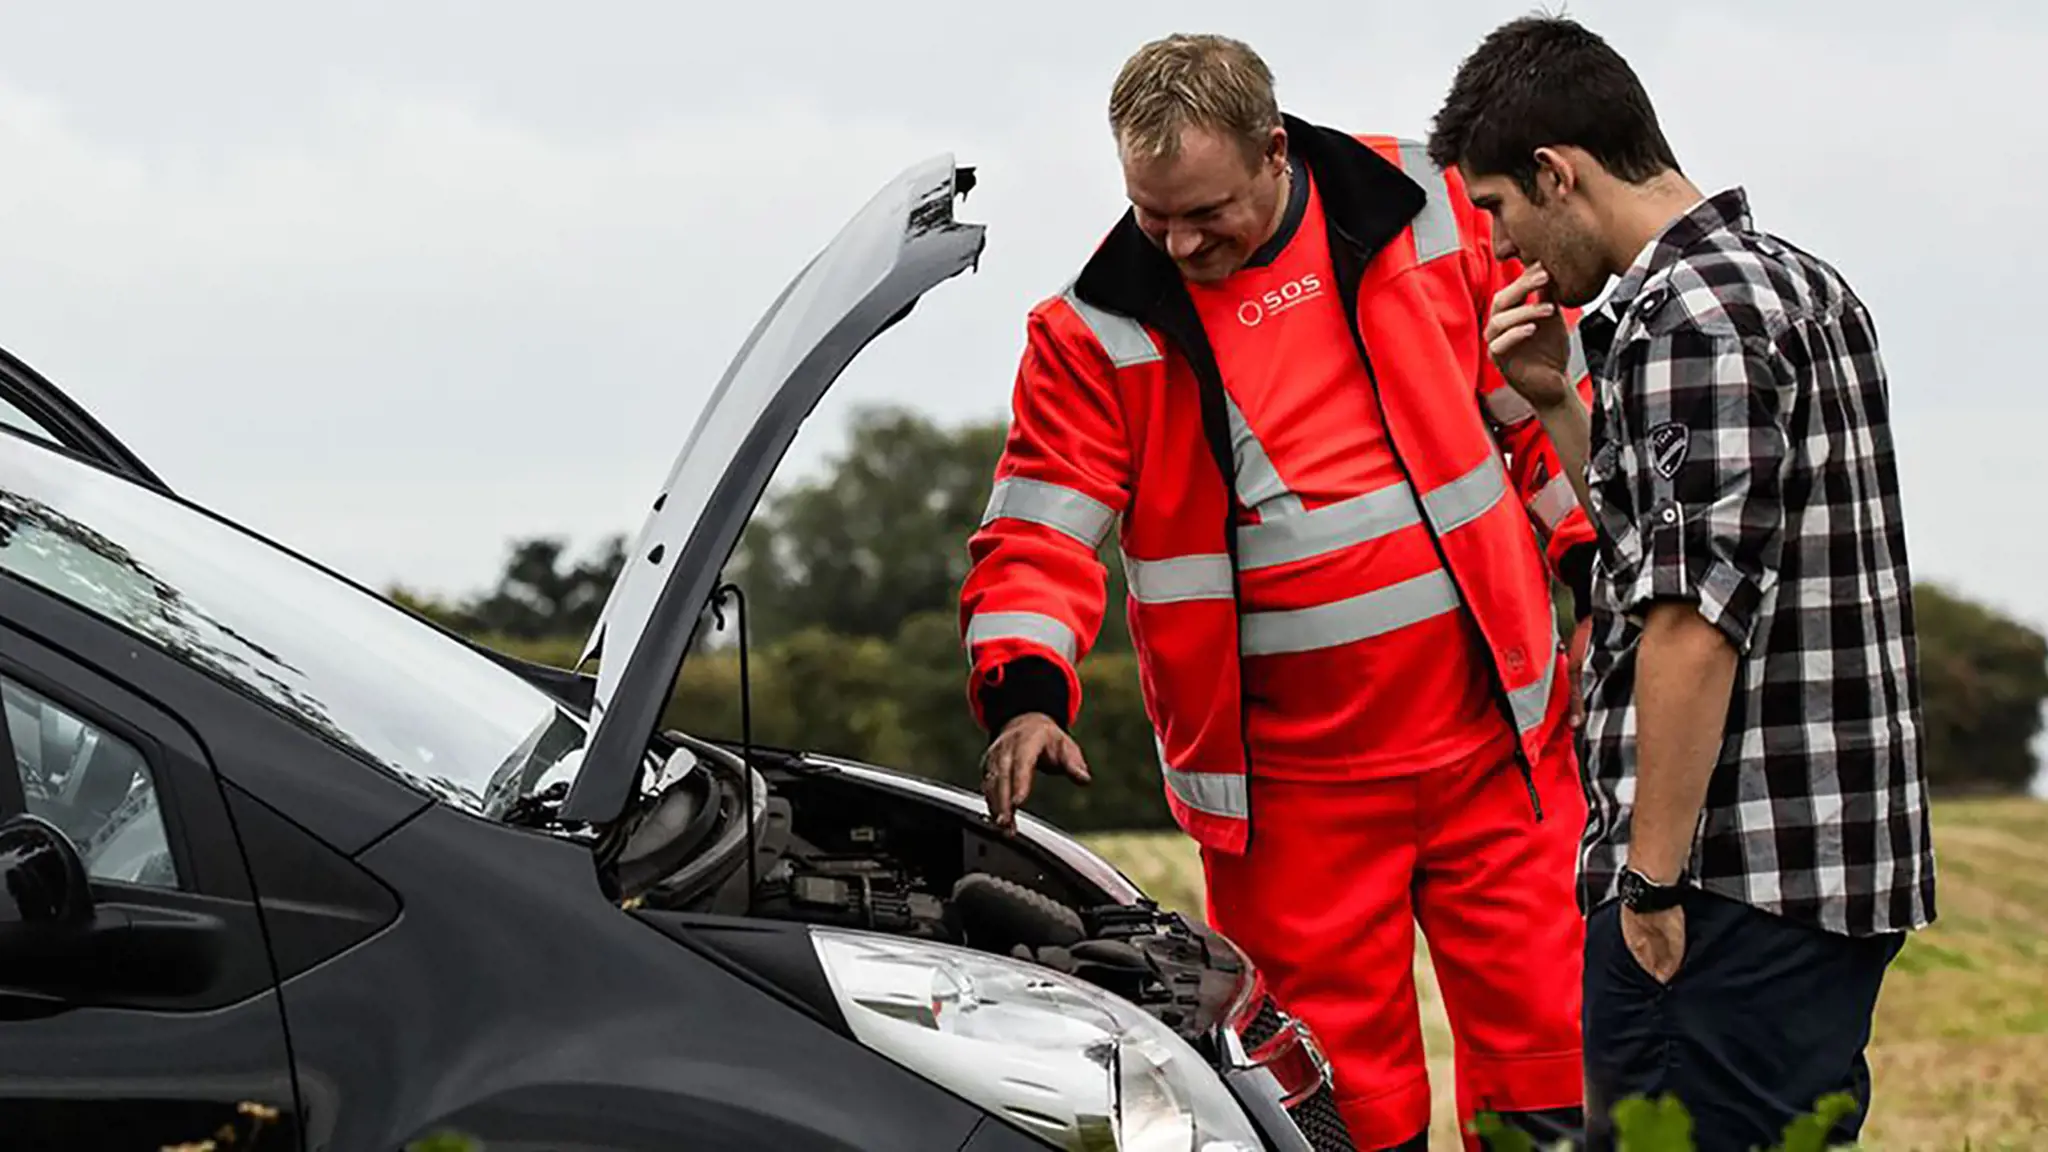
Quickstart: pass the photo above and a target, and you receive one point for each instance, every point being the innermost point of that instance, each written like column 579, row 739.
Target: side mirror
column 42, row 879
column 46, row 912
column 55, row 943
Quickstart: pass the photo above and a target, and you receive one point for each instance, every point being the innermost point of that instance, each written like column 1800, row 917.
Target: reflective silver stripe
column 1124, row 339
column 1575, row 352
column 1327, row 529
column 1062, row 509
column 1212, row 792
column 1215, row 793
column 1554, row 501
column 1468, row 497
column 1344, row 621
column 1507, row 407
column 1179, row 578
column 1435, row 227
column 1034, row 626
column 1531, row 701
column 1258, row 483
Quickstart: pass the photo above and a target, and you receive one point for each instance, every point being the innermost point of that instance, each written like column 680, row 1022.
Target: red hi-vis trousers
column 1327, row 900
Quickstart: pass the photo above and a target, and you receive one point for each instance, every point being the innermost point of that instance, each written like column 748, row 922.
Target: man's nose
column 1182, row 243
column 1504, row 248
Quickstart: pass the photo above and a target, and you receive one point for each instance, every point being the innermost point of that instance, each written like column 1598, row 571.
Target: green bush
column 1984, row 676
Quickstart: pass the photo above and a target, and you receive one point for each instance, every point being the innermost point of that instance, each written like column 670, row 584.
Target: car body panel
column 577, row 1026
column 155, row 1068
column 903, row 243
column 143, row 1082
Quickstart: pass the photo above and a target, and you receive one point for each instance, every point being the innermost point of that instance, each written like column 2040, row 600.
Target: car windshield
column 337, row 659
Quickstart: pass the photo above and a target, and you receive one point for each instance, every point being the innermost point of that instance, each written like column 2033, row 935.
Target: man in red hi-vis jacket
column 1339, row 528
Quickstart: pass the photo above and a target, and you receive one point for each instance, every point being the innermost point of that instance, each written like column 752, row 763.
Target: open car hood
column 902, row 243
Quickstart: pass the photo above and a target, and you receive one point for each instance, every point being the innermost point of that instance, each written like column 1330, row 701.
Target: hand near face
column 1528, row 342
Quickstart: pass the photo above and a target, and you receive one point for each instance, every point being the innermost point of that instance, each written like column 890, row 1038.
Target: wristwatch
column 1639, row 893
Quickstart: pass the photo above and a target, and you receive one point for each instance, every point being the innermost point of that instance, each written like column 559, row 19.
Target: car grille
column 1319, row 1121
column 1317, row 1116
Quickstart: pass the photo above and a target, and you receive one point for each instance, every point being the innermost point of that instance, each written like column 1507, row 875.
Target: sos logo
column 1253, row 312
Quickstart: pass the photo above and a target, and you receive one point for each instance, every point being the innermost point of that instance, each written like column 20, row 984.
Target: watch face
column 1643, row 896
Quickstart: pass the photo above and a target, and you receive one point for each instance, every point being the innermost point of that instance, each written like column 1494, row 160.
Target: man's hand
column 1528, row 341
column 1575, row 671
column 1656, row 940
column 1025, row 744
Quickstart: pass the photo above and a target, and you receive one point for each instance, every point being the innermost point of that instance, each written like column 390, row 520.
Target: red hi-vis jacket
column 1119, row 418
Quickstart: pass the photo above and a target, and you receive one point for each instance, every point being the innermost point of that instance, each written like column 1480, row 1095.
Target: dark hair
column 1545, row 81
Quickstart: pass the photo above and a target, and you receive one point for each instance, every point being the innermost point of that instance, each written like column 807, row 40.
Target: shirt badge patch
column 1669, row 443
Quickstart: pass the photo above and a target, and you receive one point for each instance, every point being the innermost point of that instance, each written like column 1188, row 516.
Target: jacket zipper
column 1493, row 677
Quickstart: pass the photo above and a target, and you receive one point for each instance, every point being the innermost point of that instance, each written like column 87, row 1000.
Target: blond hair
column 1185, row 81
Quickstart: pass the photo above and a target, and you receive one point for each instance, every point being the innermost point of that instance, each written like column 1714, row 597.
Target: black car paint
column 430, row 973
column 664, row 1041
column 141, row 1070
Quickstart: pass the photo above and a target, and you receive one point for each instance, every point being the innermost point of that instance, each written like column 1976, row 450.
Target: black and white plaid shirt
column 1742, row 459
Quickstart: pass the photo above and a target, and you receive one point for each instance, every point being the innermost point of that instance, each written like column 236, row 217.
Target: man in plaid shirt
column 1757, row 840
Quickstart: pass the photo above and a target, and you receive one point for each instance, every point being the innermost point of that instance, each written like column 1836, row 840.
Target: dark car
column 288, row 866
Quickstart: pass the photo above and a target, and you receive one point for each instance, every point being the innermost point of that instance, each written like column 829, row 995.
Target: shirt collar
column 1726, row 211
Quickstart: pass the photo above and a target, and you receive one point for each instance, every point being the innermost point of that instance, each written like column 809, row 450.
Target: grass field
column 1960, row 1054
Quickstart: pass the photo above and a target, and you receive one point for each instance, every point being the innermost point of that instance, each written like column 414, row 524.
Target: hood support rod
column 732, row 592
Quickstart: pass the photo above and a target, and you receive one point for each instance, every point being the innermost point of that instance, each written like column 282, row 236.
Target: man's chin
column 1209, row 269
column 1574, row 295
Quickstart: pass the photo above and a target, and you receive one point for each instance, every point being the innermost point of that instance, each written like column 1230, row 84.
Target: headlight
column 1088, row 1071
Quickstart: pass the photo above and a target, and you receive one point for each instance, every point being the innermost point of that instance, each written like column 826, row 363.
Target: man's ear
column 1276, row 149
column 1556, row 171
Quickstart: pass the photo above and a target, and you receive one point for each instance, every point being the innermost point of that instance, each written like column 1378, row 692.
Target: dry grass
column 1960, row 1054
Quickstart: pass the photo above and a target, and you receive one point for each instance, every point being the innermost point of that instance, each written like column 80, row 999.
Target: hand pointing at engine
column 1026, row 745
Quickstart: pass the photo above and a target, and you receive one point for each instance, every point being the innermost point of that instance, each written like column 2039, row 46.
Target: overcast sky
column 394, row 282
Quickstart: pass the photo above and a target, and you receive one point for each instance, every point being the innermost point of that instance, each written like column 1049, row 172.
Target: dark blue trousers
column 1762, row 1019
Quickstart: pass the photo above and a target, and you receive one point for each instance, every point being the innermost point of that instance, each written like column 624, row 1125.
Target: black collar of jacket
column 1367, row 201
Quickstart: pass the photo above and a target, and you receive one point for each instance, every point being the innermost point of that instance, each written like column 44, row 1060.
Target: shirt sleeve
column 1708, row 449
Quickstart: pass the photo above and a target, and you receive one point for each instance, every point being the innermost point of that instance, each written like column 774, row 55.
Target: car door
column 32, row 406
column 183, row 1039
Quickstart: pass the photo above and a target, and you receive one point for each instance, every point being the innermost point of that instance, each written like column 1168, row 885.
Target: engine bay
column 855, row 848
column 829, row 849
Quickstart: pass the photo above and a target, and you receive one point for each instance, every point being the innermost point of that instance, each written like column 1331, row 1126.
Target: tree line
column 850, row 582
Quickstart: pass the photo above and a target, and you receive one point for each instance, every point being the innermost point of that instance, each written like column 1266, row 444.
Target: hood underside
column 902, row 244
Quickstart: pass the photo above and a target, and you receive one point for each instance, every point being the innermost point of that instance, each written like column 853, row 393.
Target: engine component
column 1000, row 915
column 852, row 892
